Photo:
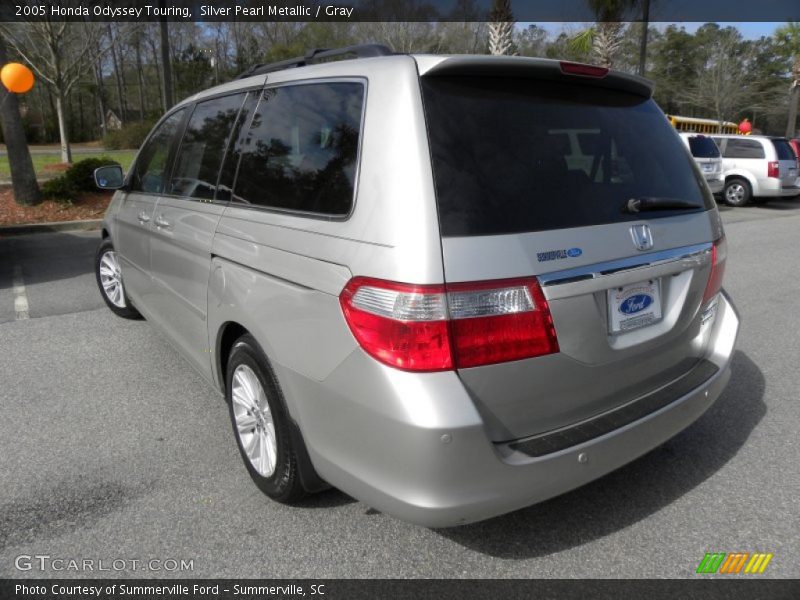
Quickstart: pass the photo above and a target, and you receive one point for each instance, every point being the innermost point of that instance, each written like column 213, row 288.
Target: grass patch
column 46, row 164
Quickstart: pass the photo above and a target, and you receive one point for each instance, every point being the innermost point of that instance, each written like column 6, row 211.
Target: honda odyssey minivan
column 404, row 289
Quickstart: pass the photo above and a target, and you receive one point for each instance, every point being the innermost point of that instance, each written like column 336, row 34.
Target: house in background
column 113, row 121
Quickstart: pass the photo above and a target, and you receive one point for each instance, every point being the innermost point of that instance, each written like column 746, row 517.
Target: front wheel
column 260, row 423
column 737, row 192
column 109, row 280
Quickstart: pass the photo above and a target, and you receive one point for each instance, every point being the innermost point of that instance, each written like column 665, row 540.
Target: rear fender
column 742, row 174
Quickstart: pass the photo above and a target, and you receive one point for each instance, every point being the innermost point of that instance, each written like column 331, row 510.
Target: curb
column 86, row 225
column 7, row 183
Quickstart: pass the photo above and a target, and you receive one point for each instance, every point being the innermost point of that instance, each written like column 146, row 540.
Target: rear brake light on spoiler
column 443, row 327
column 572, row 68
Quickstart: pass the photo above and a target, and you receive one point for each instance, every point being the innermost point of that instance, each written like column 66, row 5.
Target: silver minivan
column 404, row 289
column 757, row 168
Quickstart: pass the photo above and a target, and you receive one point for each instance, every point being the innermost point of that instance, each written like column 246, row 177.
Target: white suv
column 757, row 168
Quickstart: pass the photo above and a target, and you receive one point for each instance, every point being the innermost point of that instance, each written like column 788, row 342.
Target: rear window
column 703, row 147
column 520, row 155
column 783, row 149
column 742, row 148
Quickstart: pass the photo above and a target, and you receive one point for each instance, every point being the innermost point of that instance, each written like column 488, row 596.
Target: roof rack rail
column 360, row 51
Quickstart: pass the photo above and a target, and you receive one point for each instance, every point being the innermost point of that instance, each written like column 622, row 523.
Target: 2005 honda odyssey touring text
column 450, row 286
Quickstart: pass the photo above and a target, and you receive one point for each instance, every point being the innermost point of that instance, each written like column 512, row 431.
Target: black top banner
column 394, row 10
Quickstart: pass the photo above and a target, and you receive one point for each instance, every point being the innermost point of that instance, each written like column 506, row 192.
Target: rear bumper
column 414, row 446
column 790, row 191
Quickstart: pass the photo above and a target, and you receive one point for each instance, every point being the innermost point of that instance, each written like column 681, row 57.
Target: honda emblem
column 642, row 238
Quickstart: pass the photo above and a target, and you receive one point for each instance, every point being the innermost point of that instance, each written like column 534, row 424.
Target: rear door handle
column 144, row 218
column 162, row 222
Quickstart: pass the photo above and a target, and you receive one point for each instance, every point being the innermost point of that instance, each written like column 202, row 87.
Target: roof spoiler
column 537, row 68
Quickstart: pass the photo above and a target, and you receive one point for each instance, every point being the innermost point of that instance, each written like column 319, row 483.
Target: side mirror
column 109, row 178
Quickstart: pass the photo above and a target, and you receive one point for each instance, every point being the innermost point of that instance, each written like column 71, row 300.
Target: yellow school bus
column 702, row 125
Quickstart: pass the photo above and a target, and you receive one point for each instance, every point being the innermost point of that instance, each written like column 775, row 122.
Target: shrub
column 128, row 137
column 59, row 189
column 78, row 178
column 81, row 174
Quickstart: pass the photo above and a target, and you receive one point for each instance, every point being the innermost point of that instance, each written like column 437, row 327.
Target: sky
column 750, row 30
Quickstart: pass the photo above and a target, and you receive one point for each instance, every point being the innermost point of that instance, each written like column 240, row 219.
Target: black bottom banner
column 413, row 589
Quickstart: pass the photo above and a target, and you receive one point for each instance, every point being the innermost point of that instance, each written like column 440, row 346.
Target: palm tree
column 604, row 38
column 501, row 28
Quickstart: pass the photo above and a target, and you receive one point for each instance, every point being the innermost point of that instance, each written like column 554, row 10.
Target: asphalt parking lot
column 112, row 447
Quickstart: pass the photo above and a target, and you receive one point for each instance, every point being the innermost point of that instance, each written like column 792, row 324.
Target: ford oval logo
column 574, row 252
column 636, row 303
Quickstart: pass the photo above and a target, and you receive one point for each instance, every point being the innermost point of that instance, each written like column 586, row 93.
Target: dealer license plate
column 634, row 305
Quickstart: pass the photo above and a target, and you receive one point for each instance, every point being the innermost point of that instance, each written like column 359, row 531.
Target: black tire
column 120, row 305
column 737, row 192
column 284, row 484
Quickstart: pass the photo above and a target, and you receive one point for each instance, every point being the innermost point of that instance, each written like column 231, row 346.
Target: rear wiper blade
column 635, row 205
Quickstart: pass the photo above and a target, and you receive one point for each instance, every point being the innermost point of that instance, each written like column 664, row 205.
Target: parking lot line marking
column 20, row 297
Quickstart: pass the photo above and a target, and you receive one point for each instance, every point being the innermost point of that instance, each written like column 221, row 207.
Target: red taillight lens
column 571, row 68
column 499, row 321
column 402, row 325
column 719, row 254
column 774, row 169
column 435, row 328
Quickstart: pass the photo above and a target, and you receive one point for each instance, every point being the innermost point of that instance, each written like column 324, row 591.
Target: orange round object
column 745, row 127
column 17, row 78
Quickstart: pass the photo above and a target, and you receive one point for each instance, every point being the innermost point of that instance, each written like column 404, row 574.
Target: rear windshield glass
column 520, row 155
column 703, row 147
column 783, row 149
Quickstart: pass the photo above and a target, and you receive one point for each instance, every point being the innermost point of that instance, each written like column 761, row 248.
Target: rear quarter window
column 301, row 149
column 520, row 155
column 743, row 148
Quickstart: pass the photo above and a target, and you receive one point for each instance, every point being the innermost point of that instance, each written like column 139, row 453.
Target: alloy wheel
column 735, row 193
column 254, row 422
column 111, row 279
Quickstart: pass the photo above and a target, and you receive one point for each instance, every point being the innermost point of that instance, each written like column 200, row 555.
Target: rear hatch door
column 706, row 155
column 787, row 162
column 533, row 177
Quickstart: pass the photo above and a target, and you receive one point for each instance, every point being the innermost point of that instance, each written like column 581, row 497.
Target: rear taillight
column 774, row 169
column 436, row 327
column 571, row 68
column 719, row 253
